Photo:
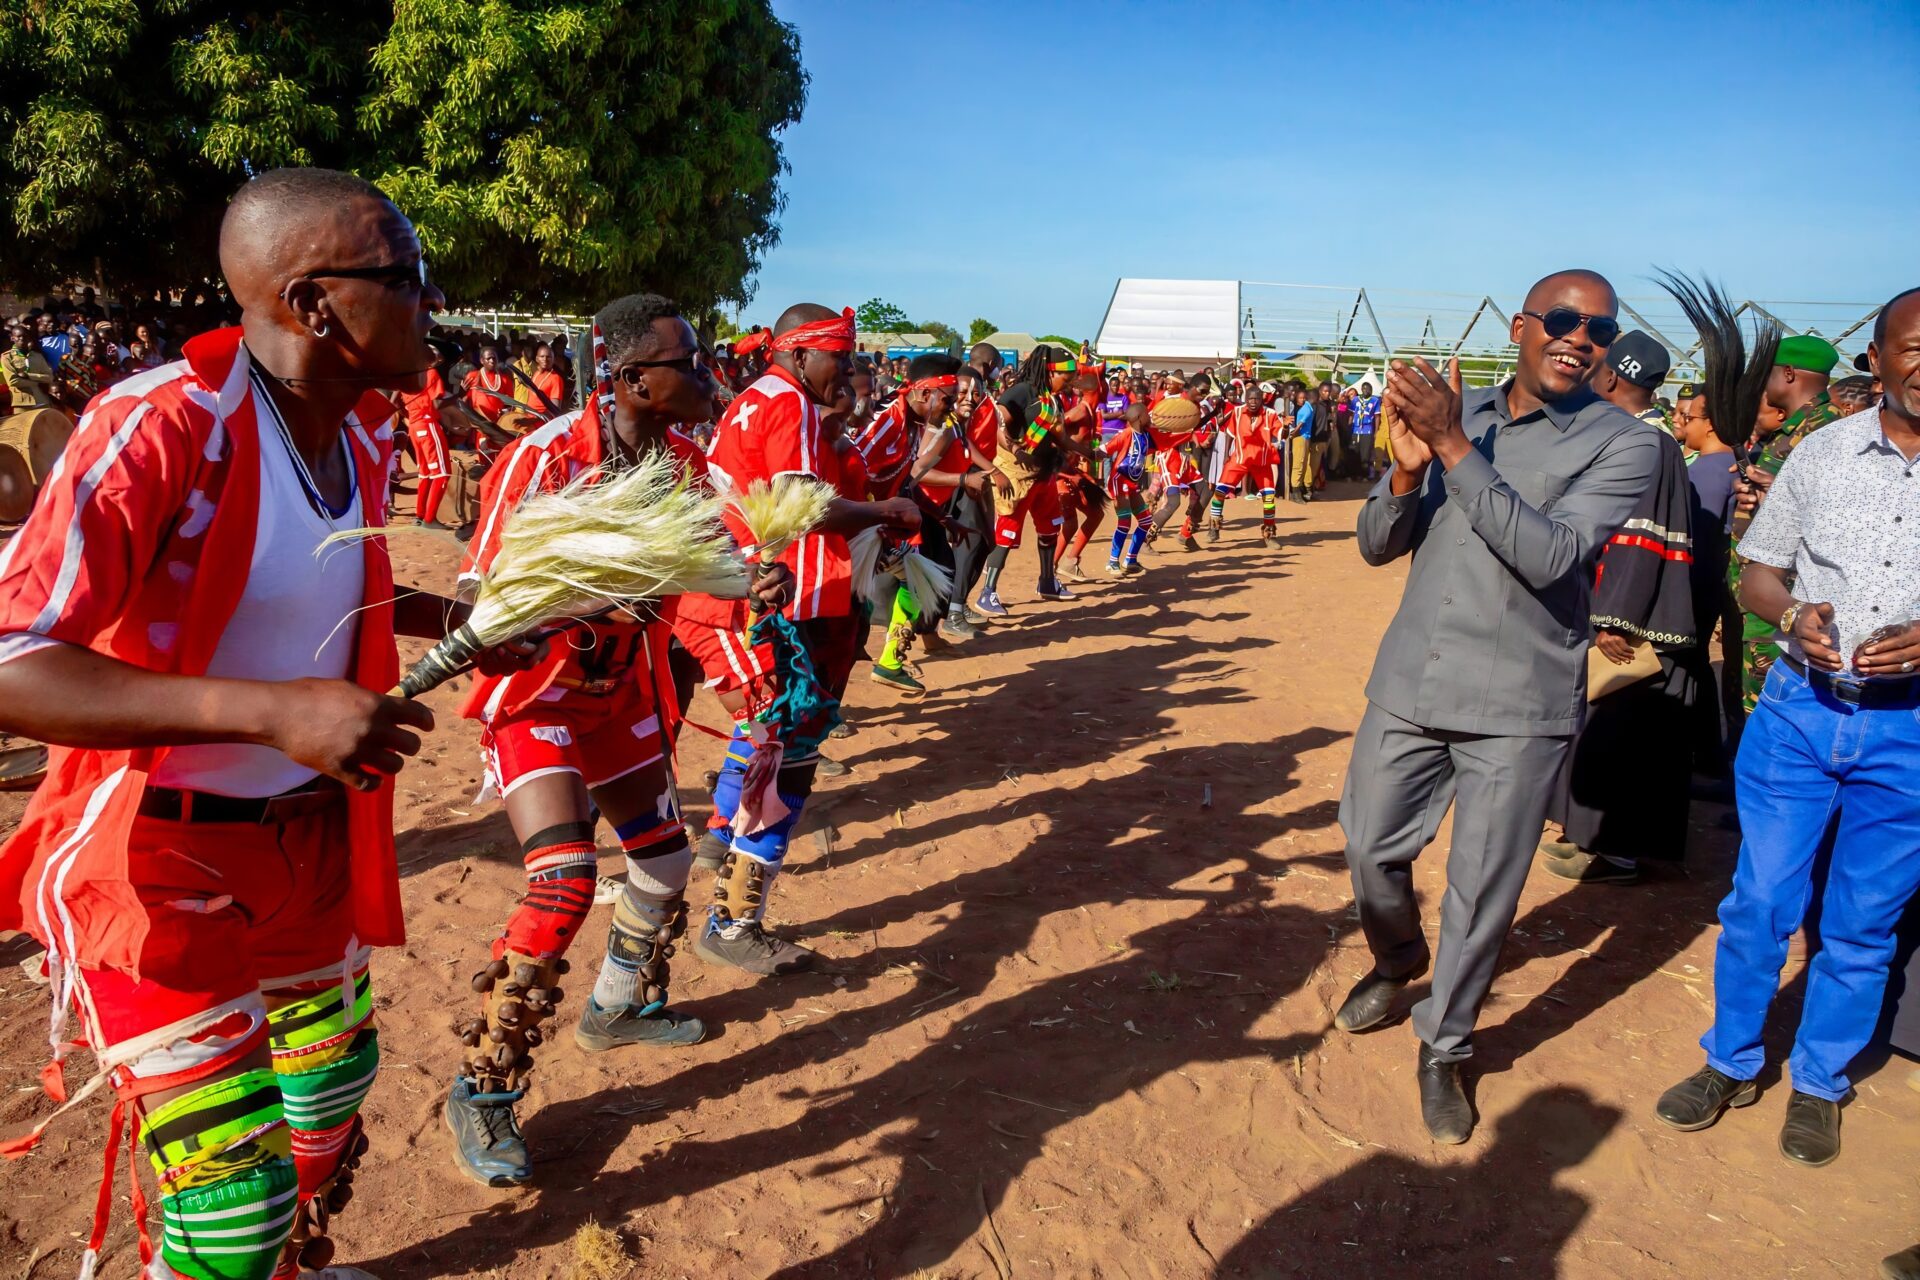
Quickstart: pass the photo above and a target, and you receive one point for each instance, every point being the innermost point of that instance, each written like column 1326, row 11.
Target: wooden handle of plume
column 441, row 663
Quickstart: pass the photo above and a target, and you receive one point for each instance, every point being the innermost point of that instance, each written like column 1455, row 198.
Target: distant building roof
column 881, row 341
column 1008, row 341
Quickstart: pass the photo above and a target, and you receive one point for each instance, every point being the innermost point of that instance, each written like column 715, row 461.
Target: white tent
column 1165, row 323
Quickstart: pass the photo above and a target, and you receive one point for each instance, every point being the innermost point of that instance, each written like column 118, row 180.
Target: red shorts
column 596, row 737
column 1042, row 503
column 233, row 909
column 1257, row 478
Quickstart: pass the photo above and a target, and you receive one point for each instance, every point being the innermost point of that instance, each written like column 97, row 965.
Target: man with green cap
column 1798, row 389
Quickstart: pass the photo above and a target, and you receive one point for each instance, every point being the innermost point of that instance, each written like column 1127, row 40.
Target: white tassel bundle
column 780, row 512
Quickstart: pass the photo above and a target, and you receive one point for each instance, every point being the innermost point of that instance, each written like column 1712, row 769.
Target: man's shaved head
column 802, row 313
column 1547, row 289
column 272, row 222
column 331, row 285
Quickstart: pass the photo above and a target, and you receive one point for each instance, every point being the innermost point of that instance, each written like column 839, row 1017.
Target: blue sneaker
column 989, row 604
column 1059, row 592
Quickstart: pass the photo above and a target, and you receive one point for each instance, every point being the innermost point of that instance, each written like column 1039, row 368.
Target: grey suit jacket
column 1492, row 632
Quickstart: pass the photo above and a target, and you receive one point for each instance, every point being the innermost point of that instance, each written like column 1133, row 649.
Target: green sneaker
column 899, row 678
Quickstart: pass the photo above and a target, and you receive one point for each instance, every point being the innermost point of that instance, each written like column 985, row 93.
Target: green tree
column 552, row 152
column 979, row 329
column 944, row 334
column 877, row 315
column 1055, row 340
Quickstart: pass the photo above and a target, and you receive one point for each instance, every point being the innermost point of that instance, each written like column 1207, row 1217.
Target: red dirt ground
column 1073, row 1021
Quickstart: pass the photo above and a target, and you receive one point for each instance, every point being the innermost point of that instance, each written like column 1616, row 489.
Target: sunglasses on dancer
column 697, row 363
column 395, row 275
column 1559, row 322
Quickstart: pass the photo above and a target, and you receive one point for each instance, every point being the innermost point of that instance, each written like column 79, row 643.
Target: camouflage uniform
column 1758, row 649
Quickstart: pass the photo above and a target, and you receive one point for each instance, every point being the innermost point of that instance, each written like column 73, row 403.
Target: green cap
column 1804, row 351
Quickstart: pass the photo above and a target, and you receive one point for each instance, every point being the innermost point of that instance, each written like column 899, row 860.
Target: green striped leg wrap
column 228, row 1186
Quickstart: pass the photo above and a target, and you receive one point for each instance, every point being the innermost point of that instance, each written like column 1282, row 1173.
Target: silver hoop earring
column 322, row 331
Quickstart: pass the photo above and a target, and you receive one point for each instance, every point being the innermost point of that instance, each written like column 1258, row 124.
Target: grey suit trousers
column 1399, row 784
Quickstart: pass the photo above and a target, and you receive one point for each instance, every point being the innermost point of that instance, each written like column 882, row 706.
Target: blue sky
column 959, row 158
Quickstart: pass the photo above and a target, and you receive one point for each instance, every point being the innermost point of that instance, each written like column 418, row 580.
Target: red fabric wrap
column 835, row 333
column 946, row 382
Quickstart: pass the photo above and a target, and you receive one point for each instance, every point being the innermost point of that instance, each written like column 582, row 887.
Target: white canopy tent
column 1172, row 323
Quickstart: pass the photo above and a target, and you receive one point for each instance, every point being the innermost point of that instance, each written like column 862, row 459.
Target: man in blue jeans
column 1834, row 554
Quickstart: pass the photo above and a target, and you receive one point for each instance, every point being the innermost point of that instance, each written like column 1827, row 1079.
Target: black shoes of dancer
column 1443, row 1101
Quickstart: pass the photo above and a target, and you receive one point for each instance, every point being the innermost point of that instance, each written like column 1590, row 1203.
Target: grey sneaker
column 486, row 1138
column 956, row 628
column 826, row 768
column 602, row 1029
column 754, row 949
column 710, row 852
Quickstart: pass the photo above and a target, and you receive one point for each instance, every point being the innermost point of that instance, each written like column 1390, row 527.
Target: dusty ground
column 1074, row 1022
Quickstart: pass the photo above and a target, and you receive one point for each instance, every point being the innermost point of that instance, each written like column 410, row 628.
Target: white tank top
column 295, row 619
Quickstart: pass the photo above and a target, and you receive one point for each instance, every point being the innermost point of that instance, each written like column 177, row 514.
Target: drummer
column 490, row 387
column 29, row 376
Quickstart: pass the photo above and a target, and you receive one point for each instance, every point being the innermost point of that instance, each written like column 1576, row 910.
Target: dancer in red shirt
column 774, row 428
column 1253, row 428
column 1083, row 503
column 210, row 861
column 429, row 440
column 588, row 734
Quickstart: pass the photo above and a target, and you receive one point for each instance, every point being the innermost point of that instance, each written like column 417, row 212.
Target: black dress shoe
column 1904, row 1265
column 1371, row 999
column 1443, row 1103
column 1811, row 1135
column 1697, row 1101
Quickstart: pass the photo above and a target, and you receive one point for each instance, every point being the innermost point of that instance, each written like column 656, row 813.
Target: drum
column 30, row 443
column 23, row 768
column 16, row 487
column 38, row 435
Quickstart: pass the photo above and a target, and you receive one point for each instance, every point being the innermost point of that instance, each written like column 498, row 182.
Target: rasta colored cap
column 1804, row 351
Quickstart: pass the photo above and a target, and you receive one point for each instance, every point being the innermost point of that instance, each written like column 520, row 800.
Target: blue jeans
column 1804, row 757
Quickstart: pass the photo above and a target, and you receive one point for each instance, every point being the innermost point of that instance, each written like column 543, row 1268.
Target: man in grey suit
column 1480, row 682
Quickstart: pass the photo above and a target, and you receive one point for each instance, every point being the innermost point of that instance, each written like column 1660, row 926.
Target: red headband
column 747, row 343
column 945, row 382
column 835, row 333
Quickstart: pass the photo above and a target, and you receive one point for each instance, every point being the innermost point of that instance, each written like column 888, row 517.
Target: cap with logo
column 1640, row 358
column 1804, row 351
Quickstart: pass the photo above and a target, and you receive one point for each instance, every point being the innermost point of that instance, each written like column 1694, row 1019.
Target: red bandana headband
column 945, row 382
column 835, row 333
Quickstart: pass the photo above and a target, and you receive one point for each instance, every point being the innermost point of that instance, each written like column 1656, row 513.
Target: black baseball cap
column 1640, row 358
column 1860, row 363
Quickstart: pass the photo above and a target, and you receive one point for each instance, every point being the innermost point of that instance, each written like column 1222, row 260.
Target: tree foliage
column 979, row 330
column 877, row 315
column 944, row 334
column 552, row 152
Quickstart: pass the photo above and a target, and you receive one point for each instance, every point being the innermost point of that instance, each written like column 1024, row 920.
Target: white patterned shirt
column 1844, row 518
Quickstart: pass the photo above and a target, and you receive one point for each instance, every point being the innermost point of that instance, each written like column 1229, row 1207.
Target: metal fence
column 1357, row 328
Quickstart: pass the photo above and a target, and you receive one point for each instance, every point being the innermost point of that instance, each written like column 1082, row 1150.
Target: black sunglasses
column 1561, row 321
column 393, row 274
column 692, row 364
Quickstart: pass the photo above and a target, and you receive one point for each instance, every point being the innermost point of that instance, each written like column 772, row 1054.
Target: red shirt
column 886, row 445
column 553, row 386
column 983, row 432
column 423, row 406
column 489, row 392
column 1253, row 435
column 773, row 429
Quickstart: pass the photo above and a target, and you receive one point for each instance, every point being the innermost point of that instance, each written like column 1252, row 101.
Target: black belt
column 1876, row 692
column 171, row 805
